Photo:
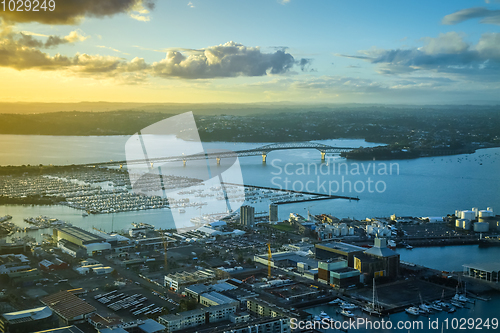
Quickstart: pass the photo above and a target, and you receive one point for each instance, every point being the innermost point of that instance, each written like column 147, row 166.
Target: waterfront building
column 75, row 239
column 378, row 261
column 337, row 274
column 331, row 250
column 247, row 216
column 486, row 271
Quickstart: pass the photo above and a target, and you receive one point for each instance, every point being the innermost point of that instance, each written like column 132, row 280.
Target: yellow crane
column 269, row 258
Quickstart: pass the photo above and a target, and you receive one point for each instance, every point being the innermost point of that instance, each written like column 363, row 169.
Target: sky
column 242, row 51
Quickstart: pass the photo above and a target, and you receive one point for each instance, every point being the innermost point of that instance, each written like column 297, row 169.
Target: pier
column 320, row 195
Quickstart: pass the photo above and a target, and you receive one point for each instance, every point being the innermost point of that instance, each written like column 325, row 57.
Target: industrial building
column 79, row 239
column 325, row 251
column 178, row 281
column 27, row 320
column 56, row 264
column 378, row 261
column 247, row 216
column 196, row 290
column 337, row 274
column 487, row 271
column 214, row 298
column 297, row 259
column 193, row 318
column 70, row 308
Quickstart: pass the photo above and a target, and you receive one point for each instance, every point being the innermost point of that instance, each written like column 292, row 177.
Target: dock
column 321, row 195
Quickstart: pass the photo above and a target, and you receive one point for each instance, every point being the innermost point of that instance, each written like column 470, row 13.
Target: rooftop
column 67, row 305
column 348, row 248
column 151, row 326
column 67, row 329
column 218, row 298
column 84, row 236
column 487, row 267
column 190, row 313
column 27, row 315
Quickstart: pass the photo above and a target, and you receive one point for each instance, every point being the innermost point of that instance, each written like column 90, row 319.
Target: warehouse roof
column 84, row 236
column 67, row 305
column 27, row 315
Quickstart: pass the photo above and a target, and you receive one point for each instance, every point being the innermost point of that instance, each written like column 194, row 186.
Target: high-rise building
column 273, row 212
column 247, row 215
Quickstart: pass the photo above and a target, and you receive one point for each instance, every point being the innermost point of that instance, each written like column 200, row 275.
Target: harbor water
column 450, row 258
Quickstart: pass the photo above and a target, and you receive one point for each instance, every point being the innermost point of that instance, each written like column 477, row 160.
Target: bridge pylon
column 184, row 162
column 218, row 160
column 264, row 157
column 323, row 155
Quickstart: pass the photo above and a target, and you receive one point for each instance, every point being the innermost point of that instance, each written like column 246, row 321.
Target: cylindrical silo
column 458, row 213
column 481, row 227
column 466, row 224
column 369, row 229
column 336, row 232
column 468, row 215
column 476, row 211
column 485, row 213
column 458, row 223
column 490, row 209
column 351, row 231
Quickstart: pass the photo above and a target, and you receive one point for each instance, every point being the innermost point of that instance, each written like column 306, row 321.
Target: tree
column 187, row 304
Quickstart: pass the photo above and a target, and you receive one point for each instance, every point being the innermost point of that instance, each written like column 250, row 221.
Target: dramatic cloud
column 488, row 16
column 51, row 42
column 73, row 11
column 447, row 53
column 226, row 60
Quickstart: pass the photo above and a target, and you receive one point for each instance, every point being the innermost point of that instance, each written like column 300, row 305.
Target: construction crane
column 269, row 258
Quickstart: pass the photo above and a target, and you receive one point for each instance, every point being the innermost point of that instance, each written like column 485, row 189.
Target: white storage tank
column 466, row 224
column 490, row 209
column 458, row 213
column 458, row 223
column 468, row 215
column 476, row 211
column 369, row 229
column 481, row 227
column 485, row 213
column 351, row 231
column 343, row 230
column 336, row 232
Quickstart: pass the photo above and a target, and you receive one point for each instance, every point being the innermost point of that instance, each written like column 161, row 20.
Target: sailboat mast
column 373, row 302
